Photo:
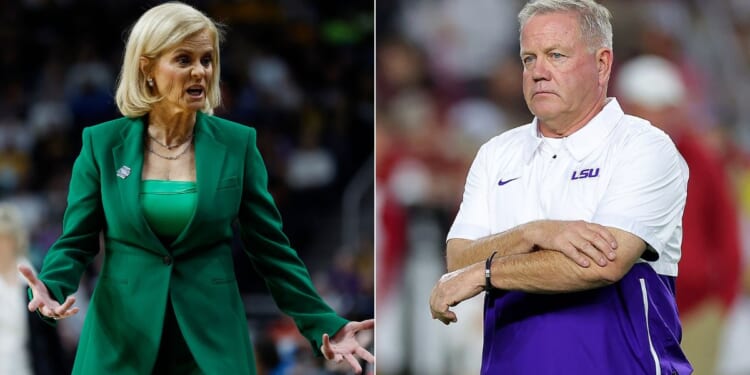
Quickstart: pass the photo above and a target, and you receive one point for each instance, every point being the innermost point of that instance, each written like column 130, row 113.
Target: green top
column 168, row 206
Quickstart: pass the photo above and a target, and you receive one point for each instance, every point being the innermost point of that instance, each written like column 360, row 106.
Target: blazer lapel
column 129, row 154
column 210, row 155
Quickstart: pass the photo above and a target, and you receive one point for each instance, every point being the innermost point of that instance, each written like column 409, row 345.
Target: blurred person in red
column 651, row 87
column 665, row 30
column 735, row 337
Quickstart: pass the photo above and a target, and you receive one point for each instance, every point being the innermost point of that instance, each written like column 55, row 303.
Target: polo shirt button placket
column 548, row 190
column 167, row 260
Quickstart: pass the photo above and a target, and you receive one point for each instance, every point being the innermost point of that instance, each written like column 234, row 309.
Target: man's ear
column 604, row 59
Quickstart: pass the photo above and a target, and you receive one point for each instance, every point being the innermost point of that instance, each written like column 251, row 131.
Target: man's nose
column 539, row 70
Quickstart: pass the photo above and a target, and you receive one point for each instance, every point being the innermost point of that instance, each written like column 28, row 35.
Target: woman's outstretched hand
column 344, row 345
column 42, row 301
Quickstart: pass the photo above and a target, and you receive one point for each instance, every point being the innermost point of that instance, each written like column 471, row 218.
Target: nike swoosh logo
column 501, row 182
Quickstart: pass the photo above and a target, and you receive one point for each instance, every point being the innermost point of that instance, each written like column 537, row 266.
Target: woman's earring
column 150, row 82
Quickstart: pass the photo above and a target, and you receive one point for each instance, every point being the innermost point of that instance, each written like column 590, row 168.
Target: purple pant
column 630, row 327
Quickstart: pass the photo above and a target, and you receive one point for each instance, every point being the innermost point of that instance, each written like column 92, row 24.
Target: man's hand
column 454, row 288
column 578, row 240
column 42, row 301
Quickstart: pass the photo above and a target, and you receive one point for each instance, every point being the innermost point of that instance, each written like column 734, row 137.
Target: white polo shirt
column 618, row 171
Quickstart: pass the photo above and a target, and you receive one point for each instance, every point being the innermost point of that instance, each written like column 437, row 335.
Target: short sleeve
column 646, row 197
column 472, row 220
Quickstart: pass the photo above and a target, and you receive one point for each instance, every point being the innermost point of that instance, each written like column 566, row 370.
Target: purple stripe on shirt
column 599, row 331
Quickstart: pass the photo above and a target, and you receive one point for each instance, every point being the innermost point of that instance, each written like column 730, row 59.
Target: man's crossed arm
column 539, row 257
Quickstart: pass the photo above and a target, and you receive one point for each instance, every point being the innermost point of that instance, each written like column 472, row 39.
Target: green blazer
column 123, row 325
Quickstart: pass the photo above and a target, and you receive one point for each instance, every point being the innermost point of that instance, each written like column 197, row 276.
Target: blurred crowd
column 300, row 72
column 449, row 79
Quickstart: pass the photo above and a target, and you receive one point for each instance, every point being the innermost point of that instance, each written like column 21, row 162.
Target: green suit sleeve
column 270, row 252
column 79, row 242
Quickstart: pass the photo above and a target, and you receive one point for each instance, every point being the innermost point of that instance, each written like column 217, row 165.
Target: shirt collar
column 583, row 141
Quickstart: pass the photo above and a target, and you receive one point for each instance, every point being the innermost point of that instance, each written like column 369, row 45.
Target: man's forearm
column 548, row 271
column 581, row 241
column 462, row 253
column 538, row 271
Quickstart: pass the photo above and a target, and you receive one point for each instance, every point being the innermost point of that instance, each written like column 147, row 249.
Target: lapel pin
column 123, row 172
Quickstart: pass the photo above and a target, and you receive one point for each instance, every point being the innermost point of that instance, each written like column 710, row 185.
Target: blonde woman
column 164, row 184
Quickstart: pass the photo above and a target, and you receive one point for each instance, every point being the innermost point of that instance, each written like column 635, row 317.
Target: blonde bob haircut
column 159, row 30
column 12, row 225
